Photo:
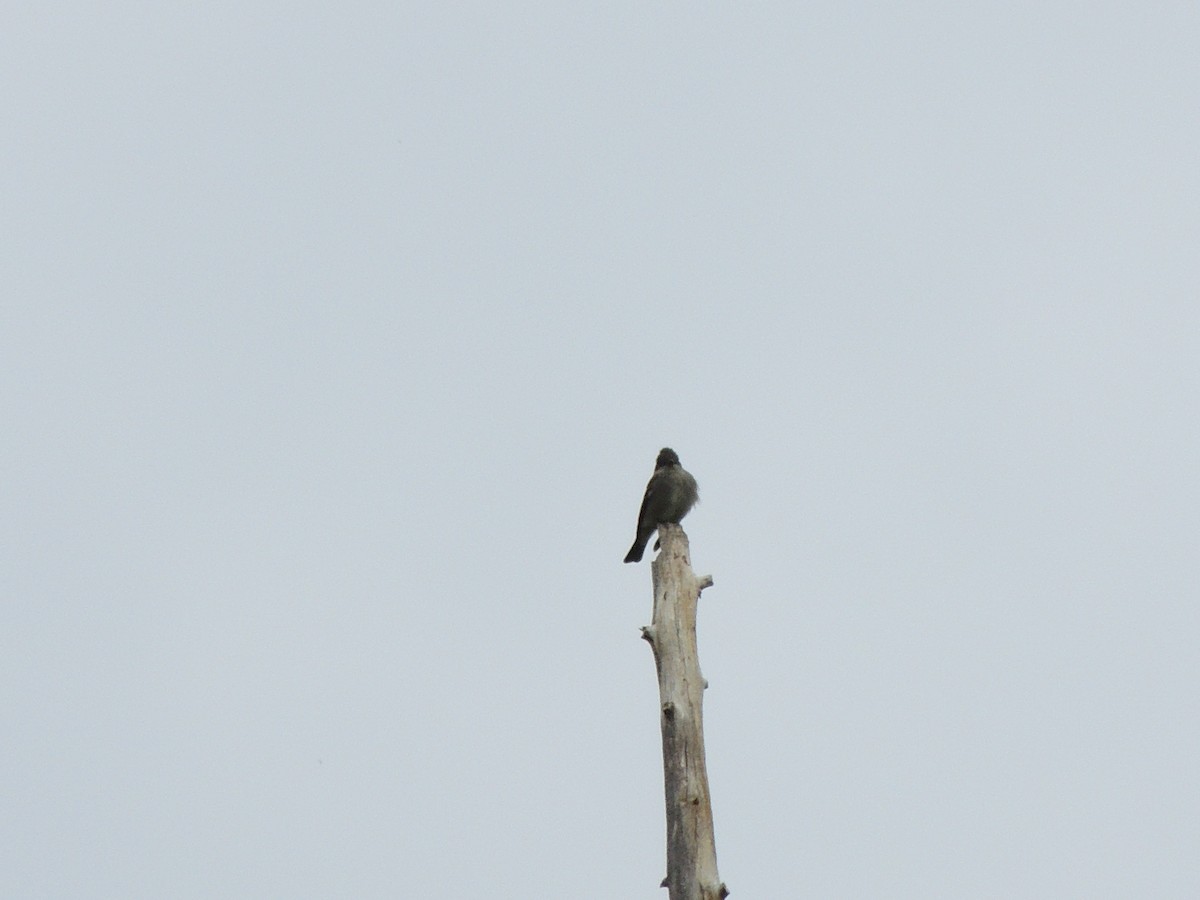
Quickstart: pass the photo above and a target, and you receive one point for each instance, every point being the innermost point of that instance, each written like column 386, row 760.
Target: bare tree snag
column 691, row 846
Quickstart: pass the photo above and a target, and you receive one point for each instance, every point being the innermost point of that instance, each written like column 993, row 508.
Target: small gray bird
column 669, row 495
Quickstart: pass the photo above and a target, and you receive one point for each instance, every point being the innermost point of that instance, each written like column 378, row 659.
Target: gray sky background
column 338, row 343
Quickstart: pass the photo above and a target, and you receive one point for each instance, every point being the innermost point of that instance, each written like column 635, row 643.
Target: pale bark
column 691, row 846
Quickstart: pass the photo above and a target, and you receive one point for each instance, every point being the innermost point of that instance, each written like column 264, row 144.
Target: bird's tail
column 638, row 548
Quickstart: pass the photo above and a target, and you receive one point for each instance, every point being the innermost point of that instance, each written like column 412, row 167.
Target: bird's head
column 666, row 457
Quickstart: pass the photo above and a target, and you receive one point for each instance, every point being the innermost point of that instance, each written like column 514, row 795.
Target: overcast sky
column 338, row 342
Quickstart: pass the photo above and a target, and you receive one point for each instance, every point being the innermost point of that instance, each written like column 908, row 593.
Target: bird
column 670, row 493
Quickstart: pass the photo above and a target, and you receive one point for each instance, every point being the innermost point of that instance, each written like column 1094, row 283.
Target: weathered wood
column 691, row 846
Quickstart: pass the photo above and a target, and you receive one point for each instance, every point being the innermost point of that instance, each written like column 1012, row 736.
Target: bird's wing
column 653, row 487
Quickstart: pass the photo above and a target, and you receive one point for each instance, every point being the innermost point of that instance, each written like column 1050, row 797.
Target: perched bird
column 669, row 495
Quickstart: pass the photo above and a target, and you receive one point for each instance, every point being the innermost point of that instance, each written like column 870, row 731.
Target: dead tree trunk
column 691, row 846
